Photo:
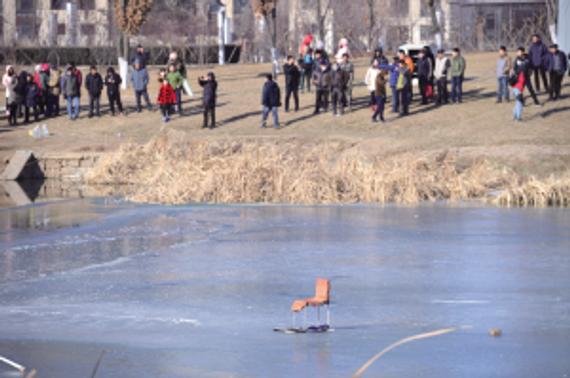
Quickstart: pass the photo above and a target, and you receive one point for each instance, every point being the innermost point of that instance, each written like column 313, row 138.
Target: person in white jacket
column 6, row 82
column 342, row 50
column 442, row 64
column 370, row 80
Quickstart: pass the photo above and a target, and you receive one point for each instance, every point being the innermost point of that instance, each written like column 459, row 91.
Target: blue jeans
column 395, row 100
column 72, row 107
column 274, row 110
column 502, row 89
column 456, row 89
column 517, row 111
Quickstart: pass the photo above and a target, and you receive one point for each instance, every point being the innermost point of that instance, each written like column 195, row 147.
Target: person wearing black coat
column 339, row 83
column 210, row 86
column 113, row 83
column 292, row 81
column 21, row 90
column 94, row 85
column 425, row 72
column 271, row 101
column 522, row 64
column 31, row 100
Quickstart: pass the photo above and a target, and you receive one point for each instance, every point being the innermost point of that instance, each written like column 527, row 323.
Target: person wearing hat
column 210, row 88
column 54, row 90
column 140, row 56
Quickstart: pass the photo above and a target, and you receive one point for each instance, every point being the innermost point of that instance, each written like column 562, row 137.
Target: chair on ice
column 321, row 298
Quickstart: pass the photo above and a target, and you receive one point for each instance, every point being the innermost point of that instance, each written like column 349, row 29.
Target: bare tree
column 551, row 15
column 435, row 14
column 267, row 9
column 131, row 15
column 323, row 9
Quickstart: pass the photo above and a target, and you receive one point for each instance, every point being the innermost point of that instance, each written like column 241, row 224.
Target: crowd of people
column 439, row 80
column 39, row 94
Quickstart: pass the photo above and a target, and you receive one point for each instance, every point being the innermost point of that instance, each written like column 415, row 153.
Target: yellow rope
column 368, row 363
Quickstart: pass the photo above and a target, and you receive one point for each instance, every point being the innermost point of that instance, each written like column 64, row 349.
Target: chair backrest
column 323, row 289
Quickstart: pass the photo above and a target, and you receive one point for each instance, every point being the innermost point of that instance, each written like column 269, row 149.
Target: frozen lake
column 195, row 291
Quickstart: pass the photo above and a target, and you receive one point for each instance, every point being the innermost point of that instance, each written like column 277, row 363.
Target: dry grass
column 172, row 170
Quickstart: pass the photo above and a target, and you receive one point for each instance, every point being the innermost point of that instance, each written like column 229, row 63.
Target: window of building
column 25, row 6
column 86, row 4
column 426, row 33
column 424, row 9
column 87, row 29
column 400, row 7
column 60, row 29
column 58, row 4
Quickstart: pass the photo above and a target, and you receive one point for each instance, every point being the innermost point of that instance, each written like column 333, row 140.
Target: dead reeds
column 171, row 170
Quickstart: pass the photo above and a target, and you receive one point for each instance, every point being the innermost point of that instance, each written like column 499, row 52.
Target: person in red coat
column 166, row 99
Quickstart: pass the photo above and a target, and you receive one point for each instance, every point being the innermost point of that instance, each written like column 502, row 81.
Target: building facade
column 56, row 23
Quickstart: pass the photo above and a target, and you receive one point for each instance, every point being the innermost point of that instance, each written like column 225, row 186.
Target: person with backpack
column 504, row 68
column 425, row 70
column 522, row 64
column 339, row 83
column 139, row 80
column 517, row 82
column 442, row 65
column 210, row 88
column 54, row 91
column 556, row 65
column 457, row 73
column 94, row 86
column 70, row 90
column 322, row 82
column 308, row 64
column 166, row 99
column 113, row 83
column 176, row 81
column 271, row 101
column 292, row 80
column 538, row 53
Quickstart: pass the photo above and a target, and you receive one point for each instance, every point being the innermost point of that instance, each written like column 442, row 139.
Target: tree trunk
column 372, row 23
column 552, row 13
column 320, row 21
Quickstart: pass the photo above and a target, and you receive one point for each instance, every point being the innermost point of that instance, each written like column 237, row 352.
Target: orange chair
column 321, row 298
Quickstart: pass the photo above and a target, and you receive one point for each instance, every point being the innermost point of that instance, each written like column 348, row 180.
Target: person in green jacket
column 457, row 73
column 176, row 80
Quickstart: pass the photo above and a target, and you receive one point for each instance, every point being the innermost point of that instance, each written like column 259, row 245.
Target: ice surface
column 195, row 291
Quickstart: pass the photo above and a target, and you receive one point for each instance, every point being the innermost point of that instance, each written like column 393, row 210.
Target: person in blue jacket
column 394, row 70
column 139, row 79
column 538, row 54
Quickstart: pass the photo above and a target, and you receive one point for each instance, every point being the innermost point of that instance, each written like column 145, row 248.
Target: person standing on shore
column 537, row 55
column 70, row 90
column 457, row 73
column 180, row 67
column 322, row 82
column 339, row 82
column 10, row 81
column 32, row 100
column 556, row 66
column 504, row 68
column 7, row 83
column 292, row 81
column 518, row 84
column 271, row 101
column 94, row 86
column 442, row 65
column 370, row 80
column 380, row 94
column 139, row 79
column 140, row 56
column 210, row 87
column 166, row 99
column 522, row 64
column 308, row 64
column 54, row 90
column 348, row 67
column 176, row 81
column 403, row 87
column 113, row 83
column 425, row 70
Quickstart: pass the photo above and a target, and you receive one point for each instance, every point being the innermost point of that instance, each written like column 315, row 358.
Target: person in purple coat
column 538, row 53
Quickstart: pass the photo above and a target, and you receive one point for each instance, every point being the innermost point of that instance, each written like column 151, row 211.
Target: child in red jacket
column 166, row 99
